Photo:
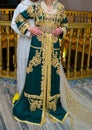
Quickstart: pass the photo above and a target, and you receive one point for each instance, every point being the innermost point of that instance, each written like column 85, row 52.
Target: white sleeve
column 13, row 23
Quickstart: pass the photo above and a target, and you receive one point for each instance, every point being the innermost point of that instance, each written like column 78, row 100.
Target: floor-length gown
column 41, row 94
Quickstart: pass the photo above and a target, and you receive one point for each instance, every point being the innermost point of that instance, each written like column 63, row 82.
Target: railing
column 8, row 44
column 6, row 14
column 73, row 16
column 79, row 17
column 76, row 46
column 77, row 50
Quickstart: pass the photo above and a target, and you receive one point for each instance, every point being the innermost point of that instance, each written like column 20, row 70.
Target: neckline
column 52, row 10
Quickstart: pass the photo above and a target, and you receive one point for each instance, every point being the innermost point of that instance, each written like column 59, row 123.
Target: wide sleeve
column 13, row 24
column 21, row 19
column 18, row 9
column 64, row 21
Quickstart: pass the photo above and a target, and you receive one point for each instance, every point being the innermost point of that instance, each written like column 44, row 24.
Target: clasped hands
column 36, row 31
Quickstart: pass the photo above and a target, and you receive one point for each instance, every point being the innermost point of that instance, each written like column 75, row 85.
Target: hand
column 57, row 31
column 35, row 30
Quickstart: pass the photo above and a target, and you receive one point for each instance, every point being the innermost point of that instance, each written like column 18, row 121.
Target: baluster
column 90, row 18
column 69, row 53
column 83, row 51
column 0, row 53
column 7, row 35
column 76, row 52
column 89, row 52
column 86, row 18
column 15, row 53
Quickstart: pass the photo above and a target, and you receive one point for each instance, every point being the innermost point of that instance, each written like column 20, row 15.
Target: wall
column 8, row 3
column 78, row 5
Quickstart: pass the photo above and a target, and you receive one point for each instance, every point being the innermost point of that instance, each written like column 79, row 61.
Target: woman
column 41, row 94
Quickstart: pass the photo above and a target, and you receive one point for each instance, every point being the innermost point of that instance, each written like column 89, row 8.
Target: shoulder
column 60, row 5
column 21, row 6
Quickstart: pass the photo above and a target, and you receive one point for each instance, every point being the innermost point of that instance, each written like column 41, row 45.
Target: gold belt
column 47, row 29
column 44, row 36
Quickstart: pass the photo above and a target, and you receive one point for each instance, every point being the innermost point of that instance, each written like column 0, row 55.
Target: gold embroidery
column 20, row 18
column 49, row 56
column 23, row 28
column 49, row 22
column 34, row 104
column 43, row 80
column 44, row 36
column 34, row 62
column 56, row 63
column 47, row 44
column 24, row 25
column 33, row 96
column 60, row 12
column 52, row 104
column 31, row 11
column 34, row 101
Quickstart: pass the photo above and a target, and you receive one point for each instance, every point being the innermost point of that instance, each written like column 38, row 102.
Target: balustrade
column 77, row 50
column 76, row 47
column 8, row 44
column 73, row 16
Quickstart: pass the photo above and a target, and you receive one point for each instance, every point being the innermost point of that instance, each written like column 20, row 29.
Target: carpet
column 7, row 90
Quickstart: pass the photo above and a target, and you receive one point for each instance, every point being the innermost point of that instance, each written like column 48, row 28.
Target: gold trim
column 24, row 121
column 23, row 28
column 36, row 47
column 48, row 53
column 40, row 124
column 33, row 96
column 57, row 120
column 40, row 96
column 42, row 48
column 43, row 83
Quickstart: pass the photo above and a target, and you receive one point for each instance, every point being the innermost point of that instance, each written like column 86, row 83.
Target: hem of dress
column 27, row 122
column 54, row 119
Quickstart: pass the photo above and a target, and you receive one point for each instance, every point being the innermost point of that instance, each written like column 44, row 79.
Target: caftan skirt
column 40, row 97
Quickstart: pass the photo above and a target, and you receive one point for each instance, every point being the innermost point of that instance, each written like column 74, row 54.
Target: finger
column 54, row 33
column 39, row 32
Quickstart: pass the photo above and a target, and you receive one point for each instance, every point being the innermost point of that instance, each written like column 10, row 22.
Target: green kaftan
column 41, row 94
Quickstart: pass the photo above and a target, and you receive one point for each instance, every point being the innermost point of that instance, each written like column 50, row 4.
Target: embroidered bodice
column 46, row 19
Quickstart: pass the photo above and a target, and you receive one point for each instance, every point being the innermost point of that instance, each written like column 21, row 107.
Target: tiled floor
column 7, row 90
